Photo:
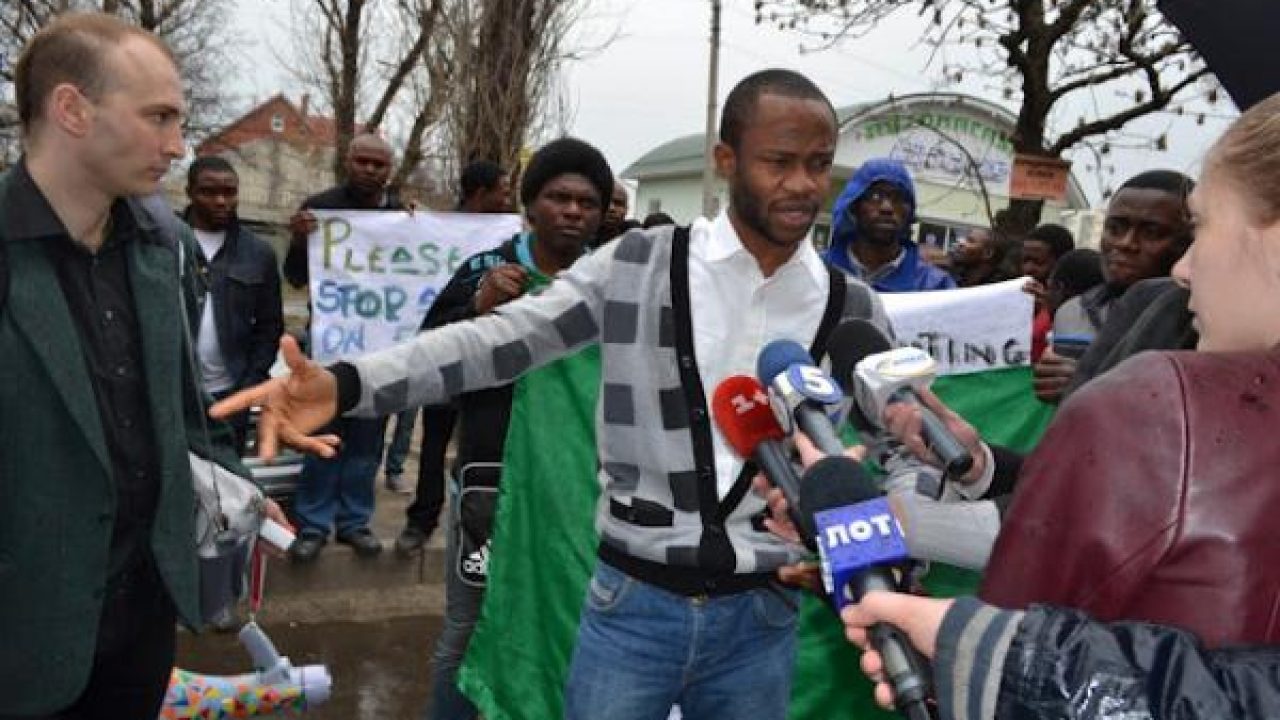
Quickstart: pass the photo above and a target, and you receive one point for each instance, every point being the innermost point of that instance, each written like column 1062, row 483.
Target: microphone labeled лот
column 863, row 549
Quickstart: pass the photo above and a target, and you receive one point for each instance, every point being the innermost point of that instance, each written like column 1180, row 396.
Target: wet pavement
column 380, row 670
column 379, row 655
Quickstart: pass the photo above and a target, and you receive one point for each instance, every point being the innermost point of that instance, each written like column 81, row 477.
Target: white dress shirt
column 736, row 311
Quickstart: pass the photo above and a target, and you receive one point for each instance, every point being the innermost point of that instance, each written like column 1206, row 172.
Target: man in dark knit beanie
column 564, row 156
column 563, row 193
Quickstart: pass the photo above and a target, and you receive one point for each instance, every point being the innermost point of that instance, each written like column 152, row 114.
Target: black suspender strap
column 715, row 552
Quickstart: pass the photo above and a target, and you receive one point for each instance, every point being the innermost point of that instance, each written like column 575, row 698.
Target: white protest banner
column 967, row 330
column 374, row 274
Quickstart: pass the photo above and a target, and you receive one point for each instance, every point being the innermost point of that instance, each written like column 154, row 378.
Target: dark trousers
column 437, row 428
column 134, row 655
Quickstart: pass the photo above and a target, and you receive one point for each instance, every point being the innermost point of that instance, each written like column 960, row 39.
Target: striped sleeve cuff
column 971, row 647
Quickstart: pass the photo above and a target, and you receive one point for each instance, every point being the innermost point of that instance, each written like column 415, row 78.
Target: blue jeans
column 461, row 610
column 642, row 650
column 338, row 492
column 401, row 438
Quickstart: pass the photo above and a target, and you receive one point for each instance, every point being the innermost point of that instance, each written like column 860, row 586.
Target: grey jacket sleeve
column 517, row 337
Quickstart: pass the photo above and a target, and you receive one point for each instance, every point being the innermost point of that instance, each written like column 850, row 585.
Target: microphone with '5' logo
column 804, row 390
column 742, row 410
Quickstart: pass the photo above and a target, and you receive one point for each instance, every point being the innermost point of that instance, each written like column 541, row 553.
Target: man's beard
column 748, row 209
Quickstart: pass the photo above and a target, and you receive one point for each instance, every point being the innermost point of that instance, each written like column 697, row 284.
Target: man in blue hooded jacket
column 871, row 231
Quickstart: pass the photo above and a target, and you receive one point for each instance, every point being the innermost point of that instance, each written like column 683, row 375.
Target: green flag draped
column 544, row 547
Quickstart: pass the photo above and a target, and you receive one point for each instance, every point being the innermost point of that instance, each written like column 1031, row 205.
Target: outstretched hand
column 293, row 405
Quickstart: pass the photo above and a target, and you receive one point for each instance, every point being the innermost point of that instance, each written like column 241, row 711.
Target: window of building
column 277, row 123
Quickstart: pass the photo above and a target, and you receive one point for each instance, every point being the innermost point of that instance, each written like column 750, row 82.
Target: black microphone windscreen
column 850, row 342
column 835, row 481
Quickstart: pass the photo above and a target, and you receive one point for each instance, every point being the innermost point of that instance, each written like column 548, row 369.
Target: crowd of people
column 1144, row 504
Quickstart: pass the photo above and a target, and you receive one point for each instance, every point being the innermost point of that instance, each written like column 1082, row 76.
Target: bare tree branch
column 1120, row 119
column 1046, row 52
column 195, row 30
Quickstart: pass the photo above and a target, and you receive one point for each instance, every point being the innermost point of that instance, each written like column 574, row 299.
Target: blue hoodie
column 912, row 274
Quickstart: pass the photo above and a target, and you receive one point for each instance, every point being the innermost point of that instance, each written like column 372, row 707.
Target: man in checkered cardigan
column 684, row 605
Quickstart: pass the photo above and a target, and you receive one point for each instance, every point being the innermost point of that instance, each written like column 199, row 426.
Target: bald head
column 368, row 165
column 369, row 142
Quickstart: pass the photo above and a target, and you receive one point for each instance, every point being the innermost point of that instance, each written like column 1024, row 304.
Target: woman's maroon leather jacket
column 1155, row 496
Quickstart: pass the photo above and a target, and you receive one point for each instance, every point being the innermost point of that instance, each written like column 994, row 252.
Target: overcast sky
column 649, row 85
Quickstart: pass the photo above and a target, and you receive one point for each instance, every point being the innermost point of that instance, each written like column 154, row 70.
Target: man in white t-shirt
column 240, row 319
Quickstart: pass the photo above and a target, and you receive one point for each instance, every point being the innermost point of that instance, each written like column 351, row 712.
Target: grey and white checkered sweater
column 659, row 503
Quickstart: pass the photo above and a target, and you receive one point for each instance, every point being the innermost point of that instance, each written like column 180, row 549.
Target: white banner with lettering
column 967, row 330
column 374, row 274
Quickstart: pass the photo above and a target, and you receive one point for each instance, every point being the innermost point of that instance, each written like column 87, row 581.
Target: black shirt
column 99, row 296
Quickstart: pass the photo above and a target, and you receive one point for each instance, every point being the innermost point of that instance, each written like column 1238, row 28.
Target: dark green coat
column 57, row 496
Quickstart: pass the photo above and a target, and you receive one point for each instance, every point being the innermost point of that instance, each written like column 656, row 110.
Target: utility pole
column 708, row 161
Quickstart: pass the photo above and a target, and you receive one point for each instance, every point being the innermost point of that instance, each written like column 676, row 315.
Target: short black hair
column 1078, row 270
column 740, row 106
column 208, row 163
column 1056, row 237
column 1170, row 181
column 563, row 156
column 480, row 175
column 654, row 219
column 1174, row 183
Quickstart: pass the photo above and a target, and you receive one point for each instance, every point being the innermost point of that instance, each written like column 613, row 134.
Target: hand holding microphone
column 863, row 551
column 878, row 376
column 906, row 422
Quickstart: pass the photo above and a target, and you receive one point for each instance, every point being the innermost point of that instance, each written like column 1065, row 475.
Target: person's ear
column 70, row 110
column 726, row 159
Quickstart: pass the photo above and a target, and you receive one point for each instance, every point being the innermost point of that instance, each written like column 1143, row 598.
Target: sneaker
column 411, row 540
column 363, row 541
column 396, row 484
column 306, row 548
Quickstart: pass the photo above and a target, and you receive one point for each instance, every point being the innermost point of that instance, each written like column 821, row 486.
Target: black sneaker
column 363, row 541
column 411, row 540
column 306, row 548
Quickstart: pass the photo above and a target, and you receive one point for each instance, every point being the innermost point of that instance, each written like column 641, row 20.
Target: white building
column 955, row 145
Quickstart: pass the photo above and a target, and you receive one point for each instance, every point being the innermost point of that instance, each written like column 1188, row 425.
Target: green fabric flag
column 544, row 545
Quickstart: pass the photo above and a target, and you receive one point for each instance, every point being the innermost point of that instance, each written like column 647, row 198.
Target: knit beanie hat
column 566, row 155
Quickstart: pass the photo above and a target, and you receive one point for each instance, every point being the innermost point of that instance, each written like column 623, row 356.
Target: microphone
column 741, row 408
column 804, row 390
column 863, row 549
column 877, row 374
